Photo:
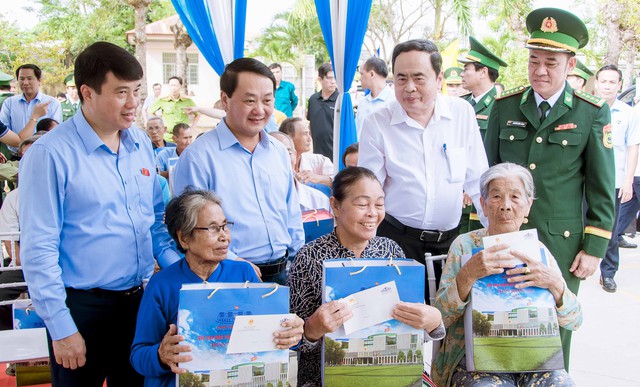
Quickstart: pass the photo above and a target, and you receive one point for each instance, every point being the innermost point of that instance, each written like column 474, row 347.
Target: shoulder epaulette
column 514, row 91
column 465, row 96
column 592, row 99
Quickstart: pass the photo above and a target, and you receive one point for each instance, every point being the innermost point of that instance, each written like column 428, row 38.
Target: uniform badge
column 549, row 24
column 481, row 117
column 565, row 127
column 520, row 124
column 606, row 136
column 454, row 73
column 145, row 172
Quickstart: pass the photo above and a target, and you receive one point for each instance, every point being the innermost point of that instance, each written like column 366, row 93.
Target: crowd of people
column 433, row 173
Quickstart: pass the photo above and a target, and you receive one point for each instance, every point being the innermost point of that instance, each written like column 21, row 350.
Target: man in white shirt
column 626, row 137
column 373, row 76
column 425, row 149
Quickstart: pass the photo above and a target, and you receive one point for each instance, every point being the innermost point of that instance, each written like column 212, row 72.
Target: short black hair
column 324, row 69
column 179, row 79
column 377, row 65
column 610, row 67
column 353, row 148
column 347, row 178
column 61, row 95
column 179, row 128
column 493, row 73
column 229, row 78
column 288, row 126
column 45, row 124
column 275, row 66
column 96, row 61
column 35, row 68
column 156, row 84
column 419, row 45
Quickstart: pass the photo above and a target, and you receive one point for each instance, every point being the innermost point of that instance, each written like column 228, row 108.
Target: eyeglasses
column 215, row 229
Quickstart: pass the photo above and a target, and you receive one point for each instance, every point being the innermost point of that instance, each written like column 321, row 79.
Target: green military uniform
column 173, row 112
column 569, row 153
column 483, row 56
column 69, row 109
column 5, row 81
column 452, row 76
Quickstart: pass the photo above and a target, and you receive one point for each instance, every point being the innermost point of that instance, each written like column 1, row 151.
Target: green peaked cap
column 556, row 30
column 480, row 54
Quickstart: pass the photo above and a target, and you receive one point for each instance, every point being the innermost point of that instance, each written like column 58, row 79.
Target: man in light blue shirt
column 182, row 137
column 92, row 221
column 373, row 76
column 249, row 170
column 17, row 111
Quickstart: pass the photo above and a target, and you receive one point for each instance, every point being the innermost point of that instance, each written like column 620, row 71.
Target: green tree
column 419, row 355
column 543, row 329
column 481, row 326
column 333, row 353
column 410, row 356
column 190, row 380
column 401, row 357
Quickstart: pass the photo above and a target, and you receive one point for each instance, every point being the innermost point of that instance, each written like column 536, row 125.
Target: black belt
column 423, row 235
column 274, row 267
column 110, row 293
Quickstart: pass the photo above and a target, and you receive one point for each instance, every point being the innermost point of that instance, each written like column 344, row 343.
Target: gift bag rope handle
column 312, row 215
column 246, row 285
column 365, row 266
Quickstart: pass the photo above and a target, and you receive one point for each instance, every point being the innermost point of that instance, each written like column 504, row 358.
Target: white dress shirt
column 624, row 133
column 316, row 163
column 311, row 199
column 424, row 171
column 368, row 105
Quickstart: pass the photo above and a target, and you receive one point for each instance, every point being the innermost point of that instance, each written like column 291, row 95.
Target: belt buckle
column 426, row 233
column 132, row 291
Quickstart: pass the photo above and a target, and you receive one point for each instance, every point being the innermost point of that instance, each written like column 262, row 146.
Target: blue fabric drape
column 357, row 19
column 197, row 18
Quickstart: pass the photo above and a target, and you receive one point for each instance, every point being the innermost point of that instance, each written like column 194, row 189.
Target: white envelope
column 255, row 333
column 525, row 241
column 372, row 306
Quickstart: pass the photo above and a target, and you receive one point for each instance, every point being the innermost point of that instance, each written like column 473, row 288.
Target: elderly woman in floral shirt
column 507, row 192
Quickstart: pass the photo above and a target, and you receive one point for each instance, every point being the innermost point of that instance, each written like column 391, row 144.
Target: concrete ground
column 606, row 350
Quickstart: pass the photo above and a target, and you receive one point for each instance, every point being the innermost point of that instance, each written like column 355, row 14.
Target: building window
column 169, row 67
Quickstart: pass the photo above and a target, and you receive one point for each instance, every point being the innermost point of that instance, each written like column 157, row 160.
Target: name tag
column 565, row 127
column 481, row 117
column 520, row 124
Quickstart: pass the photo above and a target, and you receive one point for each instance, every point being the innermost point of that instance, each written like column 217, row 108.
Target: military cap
column 480, row 54
column 452, row 76
column 69, row 81
column 581, row 71
column 556, row 30
column 5, row 79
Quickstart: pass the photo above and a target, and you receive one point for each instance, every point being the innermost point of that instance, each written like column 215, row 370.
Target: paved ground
column 606, row 349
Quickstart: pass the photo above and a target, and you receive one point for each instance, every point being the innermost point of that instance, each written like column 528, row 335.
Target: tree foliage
column 481, row 325
column 333, row 352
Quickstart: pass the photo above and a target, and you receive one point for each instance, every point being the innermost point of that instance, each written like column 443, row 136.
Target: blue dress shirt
column 90, row 217
column 162, row 160
column 286, row 98
column 256, row 189
column 16, row 111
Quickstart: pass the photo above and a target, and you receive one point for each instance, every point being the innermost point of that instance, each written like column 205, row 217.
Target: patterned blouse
column 305, row 281
column 452, row 307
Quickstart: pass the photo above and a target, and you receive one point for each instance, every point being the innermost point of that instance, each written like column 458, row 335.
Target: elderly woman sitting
column 507, row 192
column 358, row 207
column 198, row 225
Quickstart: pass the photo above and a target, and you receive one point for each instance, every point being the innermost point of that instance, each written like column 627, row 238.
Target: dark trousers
column 107, row 322
column 629, row 210
column 8, row 294
column 415, row 248
column 609, row 265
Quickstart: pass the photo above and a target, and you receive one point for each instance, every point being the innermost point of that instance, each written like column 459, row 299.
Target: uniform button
column 532, row 166
column 564, row 142
column 539, row 140
column 512, row 137
column 567, row 234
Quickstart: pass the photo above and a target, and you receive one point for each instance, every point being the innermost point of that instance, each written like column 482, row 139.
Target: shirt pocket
column 145, row 198
column 457, row 163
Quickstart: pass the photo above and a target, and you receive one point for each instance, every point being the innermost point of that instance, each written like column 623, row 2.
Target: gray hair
column 155, row 118
column 182, row 212
column 505, row 171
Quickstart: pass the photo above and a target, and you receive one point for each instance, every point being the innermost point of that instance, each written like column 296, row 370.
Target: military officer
column 564, row 137
column 72, row 104
column 579, row 76
column 454, row 82
column 5, row 87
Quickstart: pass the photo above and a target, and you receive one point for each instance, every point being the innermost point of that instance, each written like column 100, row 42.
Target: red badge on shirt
column 145, row 171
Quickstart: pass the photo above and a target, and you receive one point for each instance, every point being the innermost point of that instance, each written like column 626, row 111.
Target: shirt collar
column 617, row 105
column 440, row 111
column 91, row 141
column 552, row 100
column 228, row 139
column 332, row 97
column 385, row 95
column 38, row 97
